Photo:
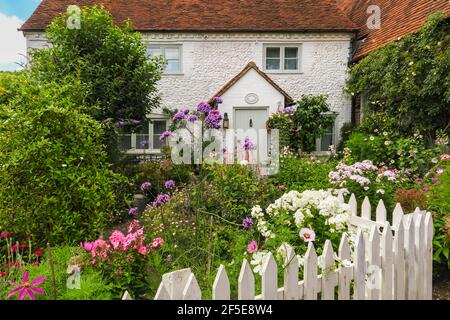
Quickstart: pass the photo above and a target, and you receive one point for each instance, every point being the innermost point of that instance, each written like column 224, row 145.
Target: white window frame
column 135, row 150
column 282, row 48
column 162, row 48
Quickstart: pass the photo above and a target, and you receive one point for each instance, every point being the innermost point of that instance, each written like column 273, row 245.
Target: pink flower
column 439, row 171
column 281, row 187
column 87, row 246
column 143, row 250
column 157, row 243
column 445, row 157
column 308, row 235
column 26, row 288
column 134, row 225
column 116, row 239
column 252, row 247
column 4, row 235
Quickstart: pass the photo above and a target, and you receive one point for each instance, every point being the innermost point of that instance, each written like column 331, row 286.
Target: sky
column 13, row 13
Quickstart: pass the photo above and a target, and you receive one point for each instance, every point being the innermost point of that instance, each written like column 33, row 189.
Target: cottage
column 258, row 55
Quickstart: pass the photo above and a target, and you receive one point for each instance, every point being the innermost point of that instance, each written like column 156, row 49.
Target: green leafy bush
column 303, row 173
column 401, row 78
column 55, row 184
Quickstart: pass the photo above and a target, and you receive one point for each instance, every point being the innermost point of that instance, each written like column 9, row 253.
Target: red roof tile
column 398, row 18
column 209, row 15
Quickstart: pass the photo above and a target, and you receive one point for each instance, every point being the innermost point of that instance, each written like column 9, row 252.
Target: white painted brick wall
column 211, row 59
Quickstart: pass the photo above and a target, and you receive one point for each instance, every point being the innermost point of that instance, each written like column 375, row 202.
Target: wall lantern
column 226, row 121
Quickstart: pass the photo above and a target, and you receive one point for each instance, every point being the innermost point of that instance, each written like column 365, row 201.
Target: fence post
column 269, row 278
column 291, row 290
column 366, row 211
column 329, row 280
column 429, row 256
column 386, row 263
column 359, row 268
column 411, row 289
column 373, row 290
column 310, row 273
column 381, row 212
column 420, row 254
column 192, row 289
column 221, row 285
column 345, row 273
column 399, row 264
column 246, row 282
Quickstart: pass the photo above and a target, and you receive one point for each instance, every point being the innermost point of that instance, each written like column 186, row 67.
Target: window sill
column 173, row 74
column 282, row 72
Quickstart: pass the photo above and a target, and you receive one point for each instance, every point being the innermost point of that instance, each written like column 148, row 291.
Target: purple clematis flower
column 26, row 288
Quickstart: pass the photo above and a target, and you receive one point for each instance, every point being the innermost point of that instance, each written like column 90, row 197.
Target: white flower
column 258, row 259
column 434, row 160
column 64, row 165
column 346, row 263
column 301, row 260
column 380, row 191
column 372, row 138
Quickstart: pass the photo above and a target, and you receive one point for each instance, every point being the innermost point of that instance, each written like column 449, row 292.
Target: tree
column 110, row 60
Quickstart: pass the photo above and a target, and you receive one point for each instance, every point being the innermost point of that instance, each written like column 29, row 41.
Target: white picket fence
column 393, row 261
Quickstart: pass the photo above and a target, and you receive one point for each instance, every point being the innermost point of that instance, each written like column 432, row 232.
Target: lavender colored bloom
column 288, row 110
column 144, row 143
column 192, row 118
column 169, row 184
column 133, row 211
column 186, row 111
column 160, row 200
column 120, row 124
column 247, row 223
column 203, row 107
column 218, row 100
column 165, row 134
column 213, row 119
column 248, row 144
column 135, row 122
column 146, row 185
column 178, row 116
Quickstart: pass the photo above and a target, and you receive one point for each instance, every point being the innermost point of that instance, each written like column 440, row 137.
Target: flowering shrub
column 296, row 219
column 122, row 259
column 366, row 179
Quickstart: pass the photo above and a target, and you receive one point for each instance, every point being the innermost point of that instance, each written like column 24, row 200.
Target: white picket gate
column 393, row 261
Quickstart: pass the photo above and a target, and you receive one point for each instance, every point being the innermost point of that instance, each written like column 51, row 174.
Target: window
column 282, row 58
column 172, row 53
column 328, row 139
column 144, row 139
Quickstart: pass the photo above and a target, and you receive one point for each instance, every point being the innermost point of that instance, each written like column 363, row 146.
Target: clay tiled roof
column 398, row 18
column 209, row 15
column 248, row 67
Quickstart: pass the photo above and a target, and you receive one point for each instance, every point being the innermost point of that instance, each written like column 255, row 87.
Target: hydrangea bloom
column 213, row 119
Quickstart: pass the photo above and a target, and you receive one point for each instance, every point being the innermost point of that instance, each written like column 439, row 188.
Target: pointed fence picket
column 398, row 265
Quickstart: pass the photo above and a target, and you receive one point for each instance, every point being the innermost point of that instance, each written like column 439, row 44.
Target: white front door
column 246, row 119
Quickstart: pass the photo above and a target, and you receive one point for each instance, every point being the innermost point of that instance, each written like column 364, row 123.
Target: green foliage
column 300, row 129
column 310, row 122
column 346, row 131
column 55, row 184
column 303, row 173
column 387, row 148
column 10, row 82
column 111, row 60
column 157, row 172
column 439, row 203
column 92, row 284
column 236, row 189
column 410, row 79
